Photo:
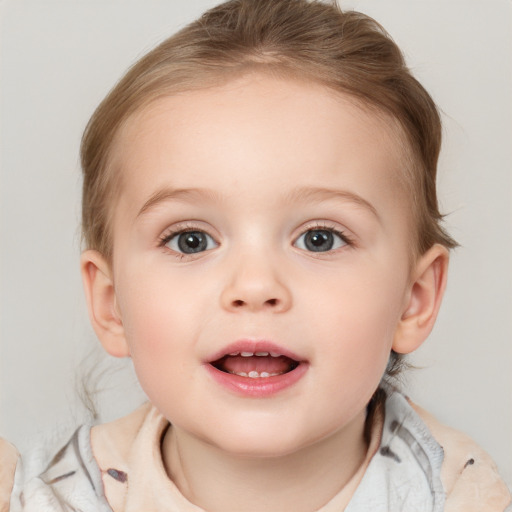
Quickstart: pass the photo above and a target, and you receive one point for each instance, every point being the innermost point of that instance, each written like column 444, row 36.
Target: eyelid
column 184, row 227
column 331, row 226
column 175, row 238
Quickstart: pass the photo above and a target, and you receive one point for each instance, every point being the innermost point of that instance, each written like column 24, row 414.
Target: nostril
column 270, row 302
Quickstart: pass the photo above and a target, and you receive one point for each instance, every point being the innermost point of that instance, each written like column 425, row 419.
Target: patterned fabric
column 406, row 470
column 71, row 482
column 409, row 471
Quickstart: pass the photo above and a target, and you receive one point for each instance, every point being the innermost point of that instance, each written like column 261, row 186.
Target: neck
column 301, row 481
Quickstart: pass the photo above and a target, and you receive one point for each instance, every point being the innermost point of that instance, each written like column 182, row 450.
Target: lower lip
column 260, row 387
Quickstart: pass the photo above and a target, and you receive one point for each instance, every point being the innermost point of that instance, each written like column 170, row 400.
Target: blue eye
column 320, row 240
column 190, row 242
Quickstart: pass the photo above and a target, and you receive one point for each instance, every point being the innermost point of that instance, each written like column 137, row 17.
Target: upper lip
column 254, row 347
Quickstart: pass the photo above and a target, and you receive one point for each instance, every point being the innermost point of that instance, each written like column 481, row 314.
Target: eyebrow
column 306, row 194
column 169, row 193
column 303, row 194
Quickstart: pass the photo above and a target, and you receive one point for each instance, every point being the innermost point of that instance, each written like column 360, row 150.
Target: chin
column 260, row 441
column 261, row 450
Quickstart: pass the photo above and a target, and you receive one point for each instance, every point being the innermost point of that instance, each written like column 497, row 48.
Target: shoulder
column 56, row 476
column 63, row 473
column 468, row 474
column 8, row 460
column 422, row 465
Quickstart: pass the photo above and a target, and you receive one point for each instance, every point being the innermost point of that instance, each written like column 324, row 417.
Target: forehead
column 253, row 126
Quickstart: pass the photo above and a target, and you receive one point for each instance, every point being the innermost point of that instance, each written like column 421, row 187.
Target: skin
column 272, row 159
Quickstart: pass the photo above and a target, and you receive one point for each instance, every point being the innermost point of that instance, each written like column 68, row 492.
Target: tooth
column 234, row 353
column 274, row 354
column 262, row 354
column 253, row 375
column 242, row 374
column 246, row 354
column 264, row 374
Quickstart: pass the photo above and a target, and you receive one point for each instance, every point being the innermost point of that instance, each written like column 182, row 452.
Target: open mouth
column 255, row 365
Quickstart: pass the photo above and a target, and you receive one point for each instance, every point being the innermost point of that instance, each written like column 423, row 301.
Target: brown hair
column 311, row 40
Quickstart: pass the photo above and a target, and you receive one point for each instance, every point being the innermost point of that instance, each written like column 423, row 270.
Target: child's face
column 298, row 242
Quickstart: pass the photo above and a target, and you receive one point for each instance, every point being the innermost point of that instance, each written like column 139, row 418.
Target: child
column 263, row 240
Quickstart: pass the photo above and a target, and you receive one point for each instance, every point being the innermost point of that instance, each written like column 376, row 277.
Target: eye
column 190, row 242
column 321, row 240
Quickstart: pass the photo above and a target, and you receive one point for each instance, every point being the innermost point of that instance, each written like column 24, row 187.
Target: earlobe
column 101, row 302
column 424, row 300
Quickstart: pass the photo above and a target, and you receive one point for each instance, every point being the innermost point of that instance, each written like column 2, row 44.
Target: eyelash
column 317, row 226
column 168, row 235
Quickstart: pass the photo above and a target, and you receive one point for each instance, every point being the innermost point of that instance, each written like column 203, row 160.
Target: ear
column 423, row 301
column 101, row 302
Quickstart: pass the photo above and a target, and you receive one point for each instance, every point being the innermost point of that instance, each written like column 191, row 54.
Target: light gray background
column 59, row 58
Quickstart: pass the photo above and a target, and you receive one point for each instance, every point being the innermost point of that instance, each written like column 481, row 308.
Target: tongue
column 269, row 364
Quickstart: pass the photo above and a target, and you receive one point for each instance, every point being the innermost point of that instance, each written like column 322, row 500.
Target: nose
column 253, row 285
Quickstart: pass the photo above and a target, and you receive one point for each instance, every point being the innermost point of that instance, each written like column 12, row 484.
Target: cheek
column 154, row 332
column 357, row 319
column 364, row 299
column 163, row 315
column 152, row 313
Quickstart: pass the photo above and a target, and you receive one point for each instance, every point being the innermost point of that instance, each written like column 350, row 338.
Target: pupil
column 191, row 242
column 319, row 240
